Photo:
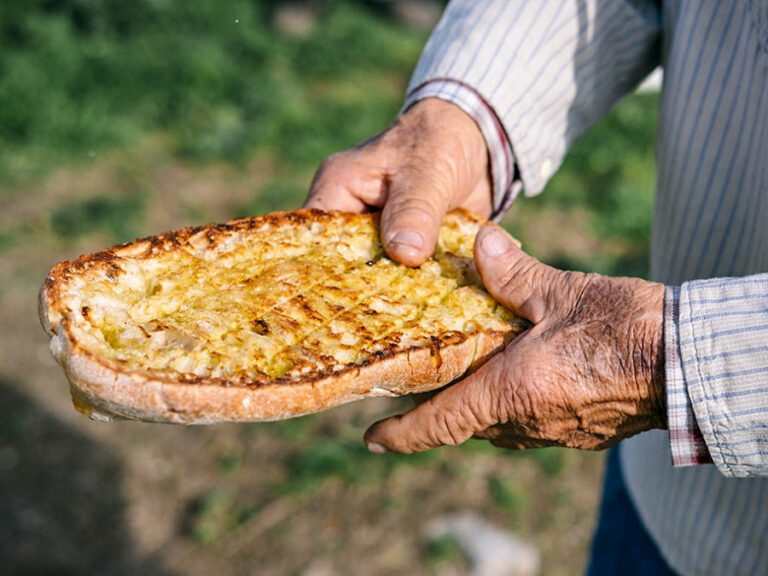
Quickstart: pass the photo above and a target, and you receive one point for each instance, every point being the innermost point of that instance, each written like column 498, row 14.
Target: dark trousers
column 621, row 546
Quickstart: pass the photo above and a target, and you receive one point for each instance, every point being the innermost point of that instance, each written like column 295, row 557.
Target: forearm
column 717, row 373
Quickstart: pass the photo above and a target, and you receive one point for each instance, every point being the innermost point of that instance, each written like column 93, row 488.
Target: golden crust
column 107, row 387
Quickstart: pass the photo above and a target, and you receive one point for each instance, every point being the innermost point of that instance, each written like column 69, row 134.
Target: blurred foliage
column 209, row 516
column 444, row 550
column 318, row 449
column 116, row 216
column 611, row 173
column 279, row 194
column 80, row 75
column 504, row 494
column 551, row 461
column 230, row 463
column 346, row 459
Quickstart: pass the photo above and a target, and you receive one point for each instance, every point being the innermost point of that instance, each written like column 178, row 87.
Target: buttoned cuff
column 685, row 438
column 506, row 181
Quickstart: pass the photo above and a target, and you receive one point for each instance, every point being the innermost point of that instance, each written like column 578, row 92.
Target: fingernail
column 377, row 448
column 494, row 243
column 408, row 238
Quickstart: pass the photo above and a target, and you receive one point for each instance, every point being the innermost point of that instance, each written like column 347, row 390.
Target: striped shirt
column 544, row 72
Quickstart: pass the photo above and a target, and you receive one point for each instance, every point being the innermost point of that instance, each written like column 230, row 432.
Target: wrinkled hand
column 588, row 373
column 432, row 160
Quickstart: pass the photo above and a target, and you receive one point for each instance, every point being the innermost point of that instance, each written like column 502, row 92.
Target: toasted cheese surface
column 270, row 300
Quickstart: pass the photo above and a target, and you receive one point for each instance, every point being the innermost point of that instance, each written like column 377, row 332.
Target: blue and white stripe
column 549, row 70
column 719, row 324
column 568, row 62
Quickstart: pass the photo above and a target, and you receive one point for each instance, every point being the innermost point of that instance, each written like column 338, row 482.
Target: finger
column 417, row 203
column 518, row 281
column 447, row 419
column 351, row 181
column 333, row 196
column 480, row 200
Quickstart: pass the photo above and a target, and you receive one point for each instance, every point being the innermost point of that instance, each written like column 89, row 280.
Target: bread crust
column 106, row 388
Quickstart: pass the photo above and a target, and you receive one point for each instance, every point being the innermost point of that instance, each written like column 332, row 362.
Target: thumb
column 518, row 281
column 449, row 418
column 410, row 221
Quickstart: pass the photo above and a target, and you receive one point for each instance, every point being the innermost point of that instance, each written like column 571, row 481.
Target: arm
column 717, row 373
column 549, row 70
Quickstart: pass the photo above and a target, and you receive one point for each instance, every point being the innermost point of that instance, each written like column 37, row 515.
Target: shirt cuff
column 506, row 180
column 685, row 438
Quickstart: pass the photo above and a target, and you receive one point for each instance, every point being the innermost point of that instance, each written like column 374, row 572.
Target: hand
column 587, row 374
column 432, row 160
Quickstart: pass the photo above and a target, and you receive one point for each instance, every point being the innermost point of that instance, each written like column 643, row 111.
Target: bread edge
column 104, row 393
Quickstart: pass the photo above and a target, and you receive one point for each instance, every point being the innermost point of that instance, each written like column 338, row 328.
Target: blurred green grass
column 78, row 77
column 610, row 173
column 115, row 215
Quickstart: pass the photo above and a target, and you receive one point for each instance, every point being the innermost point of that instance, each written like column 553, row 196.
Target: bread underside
column 267, row 318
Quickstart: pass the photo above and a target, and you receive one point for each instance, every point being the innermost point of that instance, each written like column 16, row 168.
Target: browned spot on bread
column 260, row 327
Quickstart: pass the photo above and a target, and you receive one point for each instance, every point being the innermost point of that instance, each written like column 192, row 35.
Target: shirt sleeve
column 685, row 439
column 506, row 182
column 716, row 352
column 549, row 70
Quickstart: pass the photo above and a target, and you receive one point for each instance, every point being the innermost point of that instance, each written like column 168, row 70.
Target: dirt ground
column 300, row 497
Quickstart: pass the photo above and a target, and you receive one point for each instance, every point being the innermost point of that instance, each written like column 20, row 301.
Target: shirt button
column 545, row 170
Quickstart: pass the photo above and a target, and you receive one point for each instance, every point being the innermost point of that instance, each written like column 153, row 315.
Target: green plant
column 79, row 76
column 504, row 494
column 346, row 460
column 117, row 216
column 611, row 172
column 209, row 516
column 443, row 550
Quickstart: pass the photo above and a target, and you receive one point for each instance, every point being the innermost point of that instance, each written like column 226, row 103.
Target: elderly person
column 502, row 89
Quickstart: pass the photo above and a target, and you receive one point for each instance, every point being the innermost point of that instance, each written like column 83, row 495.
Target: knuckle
column 521, row 271
column 421, row 207
column 331, row 162
column 514, row 281
column 509, row 275
column 433, row 170
column 391, row 434
column 334, row 171
column 323, row 175
column 447, row 430
column 444, row 174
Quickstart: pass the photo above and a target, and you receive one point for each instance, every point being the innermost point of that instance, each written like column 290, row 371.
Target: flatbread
column 267, row 318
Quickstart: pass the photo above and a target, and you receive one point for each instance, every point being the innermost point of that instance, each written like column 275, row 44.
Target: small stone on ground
column 491, row 550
